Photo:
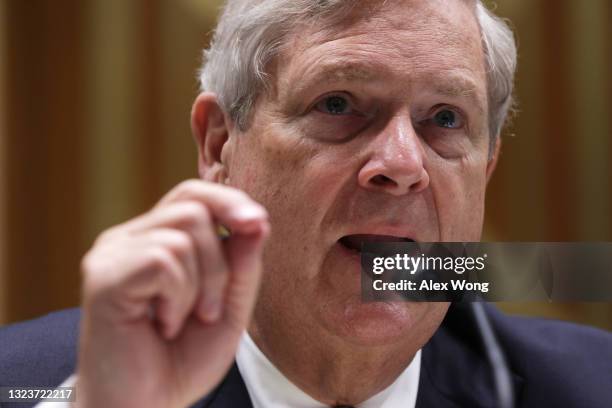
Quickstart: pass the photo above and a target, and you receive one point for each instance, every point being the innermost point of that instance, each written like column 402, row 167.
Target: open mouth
column 355, row 243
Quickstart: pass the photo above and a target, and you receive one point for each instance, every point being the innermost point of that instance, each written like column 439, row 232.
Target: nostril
column 381, row 180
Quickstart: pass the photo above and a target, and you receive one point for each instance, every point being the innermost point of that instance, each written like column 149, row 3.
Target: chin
column 373, row 324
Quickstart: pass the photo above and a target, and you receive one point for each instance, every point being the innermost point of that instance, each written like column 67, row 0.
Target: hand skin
column 165, row 301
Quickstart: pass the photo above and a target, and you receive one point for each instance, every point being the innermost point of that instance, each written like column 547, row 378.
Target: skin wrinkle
column 337, row 72
column 383, row 25
column 461, row 84
column 309, row 319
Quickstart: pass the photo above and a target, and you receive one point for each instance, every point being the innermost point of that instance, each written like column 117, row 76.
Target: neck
column 331, row 370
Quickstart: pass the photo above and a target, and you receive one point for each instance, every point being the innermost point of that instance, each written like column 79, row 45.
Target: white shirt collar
column 269, row 388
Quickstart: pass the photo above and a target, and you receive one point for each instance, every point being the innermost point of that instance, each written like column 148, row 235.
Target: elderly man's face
column 377, row 126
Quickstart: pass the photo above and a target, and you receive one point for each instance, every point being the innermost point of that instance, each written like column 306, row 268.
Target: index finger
column 230, row 207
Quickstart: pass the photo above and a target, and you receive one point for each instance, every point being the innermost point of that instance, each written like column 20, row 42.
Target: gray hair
column 250, row 34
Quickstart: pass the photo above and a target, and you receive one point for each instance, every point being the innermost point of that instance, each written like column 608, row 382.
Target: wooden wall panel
column 184, row 34
column 591, row 106
column 561, row 162
column 555, row 182
column 98, row 129
column 43, row 182
column 111, row 143
column 607, row 88
column 515, row 195
column 150, row 99
column 3, row 169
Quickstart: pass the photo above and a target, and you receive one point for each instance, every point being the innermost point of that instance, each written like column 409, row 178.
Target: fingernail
column 211, row 310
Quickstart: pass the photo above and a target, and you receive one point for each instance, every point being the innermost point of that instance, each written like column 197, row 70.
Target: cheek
column 292, row 177
column 278, row 172
column 459, row 191
column 262, row 168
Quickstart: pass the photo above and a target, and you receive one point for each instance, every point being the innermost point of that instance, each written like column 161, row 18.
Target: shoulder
column 42, row 352
column 558, row 358
column 552, row 363
column 39, row 352
column 551, row 338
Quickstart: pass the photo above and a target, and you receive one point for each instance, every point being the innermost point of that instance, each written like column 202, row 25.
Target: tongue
column 354, row 242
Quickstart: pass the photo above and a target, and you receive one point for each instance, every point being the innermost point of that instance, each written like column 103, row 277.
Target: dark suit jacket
column 554, row 364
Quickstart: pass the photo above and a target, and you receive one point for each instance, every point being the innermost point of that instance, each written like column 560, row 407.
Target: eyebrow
column 329, row 73
column 458, row 86
column 466, row 89
column 349, row 72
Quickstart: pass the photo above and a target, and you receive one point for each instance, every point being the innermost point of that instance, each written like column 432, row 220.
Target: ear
column 492, row 164
column 210, row 129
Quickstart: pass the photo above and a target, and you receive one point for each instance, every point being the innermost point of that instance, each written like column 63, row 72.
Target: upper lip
column 356, row 239
column 356, row 242
column 384, row 233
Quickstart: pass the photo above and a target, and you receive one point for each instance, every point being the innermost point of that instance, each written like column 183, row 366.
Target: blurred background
column 95, row 98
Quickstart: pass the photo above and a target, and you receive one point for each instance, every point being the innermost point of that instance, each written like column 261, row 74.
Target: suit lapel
column 454, row 369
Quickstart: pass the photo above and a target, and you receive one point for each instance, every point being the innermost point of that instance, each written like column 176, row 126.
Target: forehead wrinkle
column 448, row 83
column 351, row 65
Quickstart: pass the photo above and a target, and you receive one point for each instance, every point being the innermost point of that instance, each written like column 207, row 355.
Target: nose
column 396, row 162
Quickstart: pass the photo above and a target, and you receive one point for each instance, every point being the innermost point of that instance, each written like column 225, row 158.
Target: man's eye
column 335, row 105
column 448, row 119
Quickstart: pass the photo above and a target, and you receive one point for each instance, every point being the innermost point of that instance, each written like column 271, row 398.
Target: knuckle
column 195, row 214
column 181, row 243
column 164, row 262
column 96, row 262
column 190, row 185
column 160, row 258
column 98, row 274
